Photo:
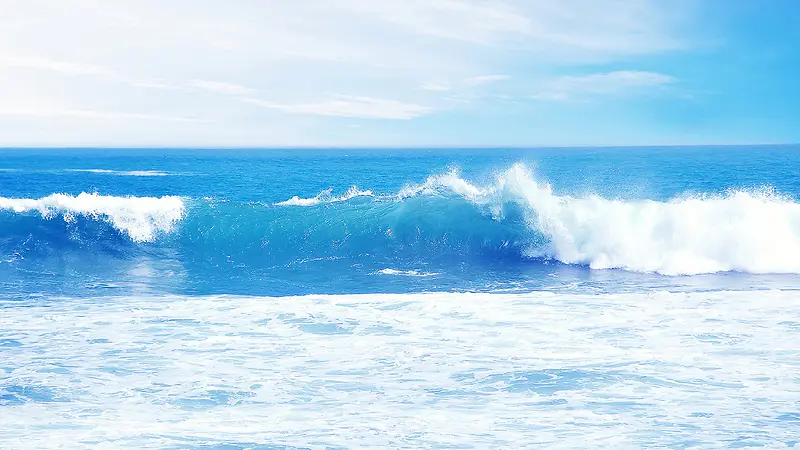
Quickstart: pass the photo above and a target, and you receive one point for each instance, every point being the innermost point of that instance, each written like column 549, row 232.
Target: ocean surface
column 389, row 298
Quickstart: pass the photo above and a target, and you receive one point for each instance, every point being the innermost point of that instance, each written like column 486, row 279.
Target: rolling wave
column 517, row 218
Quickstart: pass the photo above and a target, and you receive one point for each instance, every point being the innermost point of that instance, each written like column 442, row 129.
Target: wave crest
column 747, row 231
column 141, row 218
column 326, row 196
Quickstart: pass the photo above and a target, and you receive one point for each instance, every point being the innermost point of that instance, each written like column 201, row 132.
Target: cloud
column 394, row 59
column 223, row 88
column 152, row 85
column 472, row 21
column 485, row 79
column 469, row 82
column 618, row 82
column 567, row 28
column 63, row 67
column 347, row 106
column 93, row 114
column 438, row 86
column 73, row 68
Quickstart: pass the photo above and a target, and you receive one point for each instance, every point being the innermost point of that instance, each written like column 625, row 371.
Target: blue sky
column 399, row 72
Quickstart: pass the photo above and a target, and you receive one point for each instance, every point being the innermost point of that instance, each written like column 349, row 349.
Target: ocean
column 400, row 298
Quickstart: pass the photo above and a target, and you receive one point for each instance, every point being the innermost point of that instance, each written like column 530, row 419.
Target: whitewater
column 470, row 298
column 403, row 371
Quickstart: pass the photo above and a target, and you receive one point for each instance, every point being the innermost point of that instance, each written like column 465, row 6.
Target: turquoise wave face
column 385, row 238
column 358, row 230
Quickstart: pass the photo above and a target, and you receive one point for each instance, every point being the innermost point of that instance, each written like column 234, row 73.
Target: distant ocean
column 388, row 298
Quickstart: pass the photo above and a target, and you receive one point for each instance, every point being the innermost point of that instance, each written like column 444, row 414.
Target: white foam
column 141, row 218
column 446, row 183
column 143, row 173
column 130, row 173
column 406, row 273
column 92, row 170
column 748, row 231
column 326, row 196
column 658, row 370
column 299, row 201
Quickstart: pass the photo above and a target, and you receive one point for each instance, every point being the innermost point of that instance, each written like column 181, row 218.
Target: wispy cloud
column 471, row 21
column 469, row 82
column 73, row 68
column 583, row 86
column 395, row 60
column 485, row 79
column 152, row 85
column 63, row 67
column 94, row 114
column 564, row 29
column 223, row 88
column 347, row 106
column 437, row 86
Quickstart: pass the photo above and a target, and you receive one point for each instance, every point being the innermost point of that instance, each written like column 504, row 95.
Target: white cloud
column 92, row 114
column 438, row 86
column 63, row 67
column 623, row 81
column 152, row 85
column 472, row 21
column 117, row 115
column 223, row 88
column 469, row 82
column 148, row 58
column 347, row 106
column 485, row 79
column 73, row 68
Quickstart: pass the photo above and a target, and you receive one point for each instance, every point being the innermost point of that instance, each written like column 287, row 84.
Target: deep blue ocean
column 400, row 298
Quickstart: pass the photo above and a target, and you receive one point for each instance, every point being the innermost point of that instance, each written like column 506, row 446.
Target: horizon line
column 382, row 147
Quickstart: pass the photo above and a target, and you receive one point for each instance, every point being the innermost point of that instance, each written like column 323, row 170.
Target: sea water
column 388, row 298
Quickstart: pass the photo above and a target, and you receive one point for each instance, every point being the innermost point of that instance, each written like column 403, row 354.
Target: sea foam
column 326, row 196
column 141, row 218
column 748, row 231
column 371, row 371
column 124, row 173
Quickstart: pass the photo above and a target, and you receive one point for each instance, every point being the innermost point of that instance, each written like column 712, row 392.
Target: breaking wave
column 140, row 218
column 515, row 218
column 746, row 231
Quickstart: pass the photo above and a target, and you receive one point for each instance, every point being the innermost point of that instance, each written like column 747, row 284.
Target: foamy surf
column 753, row 231
column 409, row 370
column 140, row 218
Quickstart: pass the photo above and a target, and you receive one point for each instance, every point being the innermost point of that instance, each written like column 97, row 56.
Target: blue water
column 400, row 298
column 234, row 239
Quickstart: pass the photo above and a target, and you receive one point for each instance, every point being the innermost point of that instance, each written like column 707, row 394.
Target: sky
column 398, row 73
